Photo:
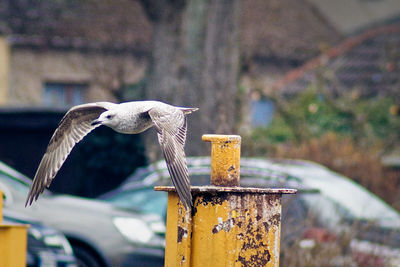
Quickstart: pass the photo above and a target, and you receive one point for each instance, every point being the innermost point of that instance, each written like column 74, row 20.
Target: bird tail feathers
column 188, row 110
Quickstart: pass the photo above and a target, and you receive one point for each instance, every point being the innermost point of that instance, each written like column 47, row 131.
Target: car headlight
column 158, row 227
column 155, row 222
column 51, row 239
column 133, row 229
column 58, row 241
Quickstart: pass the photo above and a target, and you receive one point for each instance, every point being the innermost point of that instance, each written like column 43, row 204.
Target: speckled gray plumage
column 129, row 118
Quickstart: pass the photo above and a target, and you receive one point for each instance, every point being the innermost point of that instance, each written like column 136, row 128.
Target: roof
column 91, row 24
column 367, row 61
column 282, row 29
column 351, row 16
column 73, row 43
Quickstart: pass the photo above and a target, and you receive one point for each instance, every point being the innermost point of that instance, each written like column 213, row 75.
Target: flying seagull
column 128, row 118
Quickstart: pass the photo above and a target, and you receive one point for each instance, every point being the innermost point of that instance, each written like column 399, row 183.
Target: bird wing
column 75, row 124
column 171, row 132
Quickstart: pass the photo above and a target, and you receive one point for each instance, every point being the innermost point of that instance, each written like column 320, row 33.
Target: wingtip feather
column 189, row 110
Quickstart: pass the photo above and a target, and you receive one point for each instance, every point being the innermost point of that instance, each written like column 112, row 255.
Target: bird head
column 107, row 118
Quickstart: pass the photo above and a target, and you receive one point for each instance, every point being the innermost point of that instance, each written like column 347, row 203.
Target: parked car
column 46, row 246
column 99, row 233
column 326, row 206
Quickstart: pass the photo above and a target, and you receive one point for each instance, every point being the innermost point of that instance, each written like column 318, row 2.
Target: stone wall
column 30, row 69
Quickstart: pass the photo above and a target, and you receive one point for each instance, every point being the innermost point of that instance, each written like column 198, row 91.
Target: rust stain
column 194, row 209
column 259, row 259
column 228, row 180
column 181, row 233
column 212, row 199
column 225, row 144
column 258, row 237
column 255, row 249
column 243, row 229
column 182, row 260
column 234, row 189
column 261, row 222
column 275, row 220
column 225, row 225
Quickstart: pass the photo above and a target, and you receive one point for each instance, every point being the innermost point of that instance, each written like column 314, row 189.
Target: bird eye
column 109, row 116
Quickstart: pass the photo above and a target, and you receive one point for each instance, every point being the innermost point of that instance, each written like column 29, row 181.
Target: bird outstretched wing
column 75, row 124
column 171, row 132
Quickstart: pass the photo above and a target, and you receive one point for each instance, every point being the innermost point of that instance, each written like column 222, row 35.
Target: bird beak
column 95, row 122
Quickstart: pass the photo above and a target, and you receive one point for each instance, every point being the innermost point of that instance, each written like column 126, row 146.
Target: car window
column 200, row 179
column 145, row 200
column 16, row 184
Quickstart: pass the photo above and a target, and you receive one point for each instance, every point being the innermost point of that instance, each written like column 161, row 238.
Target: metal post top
column 235, row 189
column 221, row 138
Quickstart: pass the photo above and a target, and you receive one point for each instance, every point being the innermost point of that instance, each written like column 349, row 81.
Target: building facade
column 40, row 75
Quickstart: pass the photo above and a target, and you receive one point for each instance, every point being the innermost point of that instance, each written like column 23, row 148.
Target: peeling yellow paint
column 228, row 229
column 178, row 236
column 236, row 230
column 13, row 242
column 225, row 159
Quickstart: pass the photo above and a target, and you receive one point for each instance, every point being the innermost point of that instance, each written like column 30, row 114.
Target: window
column 262, row 112
column 64, row 94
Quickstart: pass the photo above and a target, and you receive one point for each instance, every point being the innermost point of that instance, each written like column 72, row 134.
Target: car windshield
column 17, row 185
column 342, row 195
column 145, row 200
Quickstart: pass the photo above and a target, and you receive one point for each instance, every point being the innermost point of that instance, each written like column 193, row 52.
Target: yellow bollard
column 1, row 207
column 13, row 242
column 225, row 155
column 229, row 225
column 179, row 239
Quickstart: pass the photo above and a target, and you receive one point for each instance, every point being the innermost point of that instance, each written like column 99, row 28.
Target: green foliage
column 312, row 114
column 377, row 112
column 277, row 132
column 338, row 128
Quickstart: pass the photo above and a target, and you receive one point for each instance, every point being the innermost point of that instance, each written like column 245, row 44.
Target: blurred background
column 303, row 79
column 316, row 80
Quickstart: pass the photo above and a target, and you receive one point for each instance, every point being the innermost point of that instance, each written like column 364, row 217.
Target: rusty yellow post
column 225, row 155
column 178, row 239
column 229, row 225
column 13, row 242
column 1, row 207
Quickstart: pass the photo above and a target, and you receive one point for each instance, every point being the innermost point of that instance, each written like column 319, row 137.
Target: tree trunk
column 218, row 84
column 194, row 63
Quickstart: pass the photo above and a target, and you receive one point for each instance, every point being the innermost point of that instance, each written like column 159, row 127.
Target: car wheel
column 85, row 258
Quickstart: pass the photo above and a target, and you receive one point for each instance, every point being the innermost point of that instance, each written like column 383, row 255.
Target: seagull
column 127, row 118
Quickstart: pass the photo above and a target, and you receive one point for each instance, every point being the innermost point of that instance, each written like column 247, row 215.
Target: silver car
column 99, row 233
column 327, row 205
